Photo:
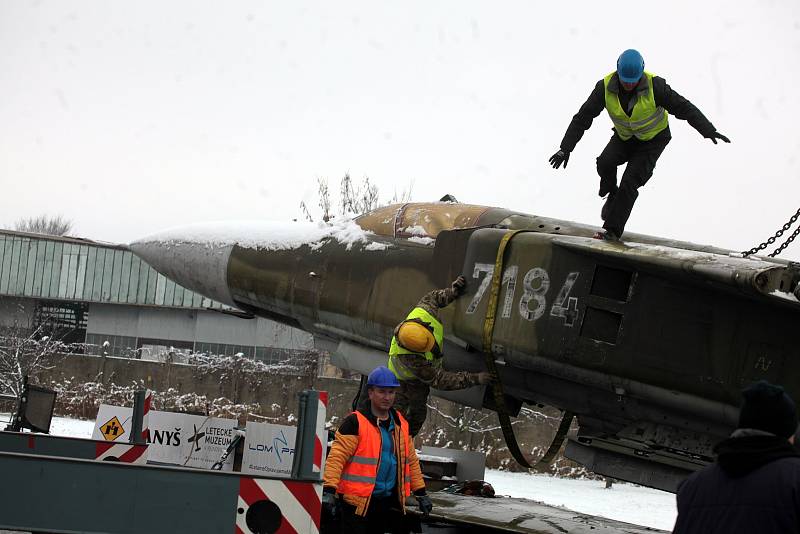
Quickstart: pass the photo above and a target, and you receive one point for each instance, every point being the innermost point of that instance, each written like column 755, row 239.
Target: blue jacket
column 387, row 470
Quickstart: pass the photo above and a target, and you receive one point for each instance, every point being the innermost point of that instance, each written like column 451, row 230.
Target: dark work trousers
column 380, row 518
column 641, row 157
column 412, row 402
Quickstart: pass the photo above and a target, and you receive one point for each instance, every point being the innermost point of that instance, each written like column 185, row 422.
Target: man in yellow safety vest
column 415, row 356
column 638, row 103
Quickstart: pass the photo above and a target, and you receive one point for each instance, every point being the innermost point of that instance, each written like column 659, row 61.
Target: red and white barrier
column 123, row 452
column 282, row 506
column 148, row 401
column 321, row 439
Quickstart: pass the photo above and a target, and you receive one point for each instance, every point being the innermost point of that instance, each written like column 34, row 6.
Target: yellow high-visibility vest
column 645, row 121
column 434, row 355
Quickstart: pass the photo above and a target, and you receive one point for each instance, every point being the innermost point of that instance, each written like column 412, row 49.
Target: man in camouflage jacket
column 419, row 372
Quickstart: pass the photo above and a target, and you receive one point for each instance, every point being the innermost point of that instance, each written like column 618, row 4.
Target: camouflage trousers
column 412, row 402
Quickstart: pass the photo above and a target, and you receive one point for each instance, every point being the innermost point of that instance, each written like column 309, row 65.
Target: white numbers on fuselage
column 533, row 302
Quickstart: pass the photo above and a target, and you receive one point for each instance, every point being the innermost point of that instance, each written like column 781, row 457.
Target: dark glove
column 459, row 285
column 425, row 504
column 484, row 378
column 560, row 157
column 330, row 502
column 716, row 135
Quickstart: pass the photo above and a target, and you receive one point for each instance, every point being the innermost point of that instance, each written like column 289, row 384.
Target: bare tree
column 353, row 199
column 323, row 200
column 44, row 224
column 28, row 355
column 356, row 200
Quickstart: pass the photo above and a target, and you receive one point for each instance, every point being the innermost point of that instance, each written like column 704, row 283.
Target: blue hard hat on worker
column 382, row 377
column 630, row 66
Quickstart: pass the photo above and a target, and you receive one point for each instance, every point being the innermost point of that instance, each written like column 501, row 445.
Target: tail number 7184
column 533, row 302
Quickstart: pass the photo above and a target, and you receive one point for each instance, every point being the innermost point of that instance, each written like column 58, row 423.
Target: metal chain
column 779, row 233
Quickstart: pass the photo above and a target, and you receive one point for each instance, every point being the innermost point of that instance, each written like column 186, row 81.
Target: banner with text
column 268, row 449
column 175, row 438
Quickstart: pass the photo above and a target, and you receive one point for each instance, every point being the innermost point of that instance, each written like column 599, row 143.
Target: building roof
column 76, row 269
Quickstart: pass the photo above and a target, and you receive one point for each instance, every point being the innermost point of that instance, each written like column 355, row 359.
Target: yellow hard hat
column 414, row 336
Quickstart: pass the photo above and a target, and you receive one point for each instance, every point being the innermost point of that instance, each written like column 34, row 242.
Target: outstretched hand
column 558, row 158
column 459, row 285
column 716, row 135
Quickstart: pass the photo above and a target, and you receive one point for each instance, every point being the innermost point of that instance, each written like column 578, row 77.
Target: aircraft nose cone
column 186, row 257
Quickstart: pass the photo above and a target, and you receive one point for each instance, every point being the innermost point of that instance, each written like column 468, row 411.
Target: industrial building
column 102, row 296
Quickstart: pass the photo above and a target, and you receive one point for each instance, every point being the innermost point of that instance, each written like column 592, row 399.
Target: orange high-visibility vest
column 360, row 472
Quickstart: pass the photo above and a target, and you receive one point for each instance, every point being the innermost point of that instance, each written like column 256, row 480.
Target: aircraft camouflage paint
column 647, row 342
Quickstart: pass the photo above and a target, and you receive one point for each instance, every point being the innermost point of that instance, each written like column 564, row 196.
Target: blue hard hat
column 630, row 66
column 382, row 377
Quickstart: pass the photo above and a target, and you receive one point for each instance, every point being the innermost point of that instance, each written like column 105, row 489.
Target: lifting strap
column 497, row 387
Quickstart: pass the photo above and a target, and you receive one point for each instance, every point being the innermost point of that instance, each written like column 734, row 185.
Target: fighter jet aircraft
column 647, row 341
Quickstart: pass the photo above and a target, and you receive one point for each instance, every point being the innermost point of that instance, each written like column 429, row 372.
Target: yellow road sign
column 112, row 429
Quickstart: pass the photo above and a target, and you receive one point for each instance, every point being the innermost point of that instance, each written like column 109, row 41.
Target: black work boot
column 606, row 235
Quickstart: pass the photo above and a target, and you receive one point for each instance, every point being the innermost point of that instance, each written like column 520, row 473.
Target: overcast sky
column 129, row 117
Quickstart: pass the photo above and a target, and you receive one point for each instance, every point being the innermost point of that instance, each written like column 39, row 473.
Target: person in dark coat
column 638, row 104
column 754, row 484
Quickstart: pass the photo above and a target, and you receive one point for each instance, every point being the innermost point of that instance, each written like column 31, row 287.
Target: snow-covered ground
column 623, row 502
